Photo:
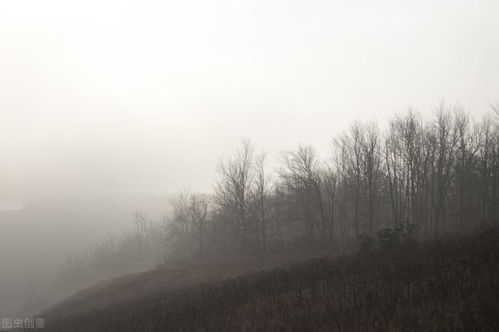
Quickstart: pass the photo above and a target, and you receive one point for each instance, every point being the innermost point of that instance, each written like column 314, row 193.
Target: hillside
column 451, row 285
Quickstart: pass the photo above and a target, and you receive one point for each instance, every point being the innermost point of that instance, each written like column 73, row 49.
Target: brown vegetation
column 450, row 285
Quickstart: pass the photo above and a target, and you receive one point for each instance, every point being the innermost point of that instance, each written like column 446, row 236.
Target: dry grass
column 449, row 286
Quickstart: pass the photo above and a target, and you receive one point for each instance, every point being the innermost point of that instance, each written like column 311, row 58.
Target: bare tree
column 233, row 190
column 141, row 231
column 198, row 209
column 259, row 201
column 301, row 175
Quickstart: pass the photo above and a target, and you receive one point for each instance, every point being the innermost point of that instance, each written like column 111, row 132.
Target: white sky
column 112, row 96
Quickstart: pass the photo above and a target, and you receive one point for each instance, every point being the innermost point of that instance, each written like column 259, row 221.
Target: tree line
column 422, row 178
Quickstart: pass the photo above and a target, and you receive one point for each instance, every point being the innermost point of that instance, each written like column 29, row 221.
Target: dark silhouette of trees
column 429, row 177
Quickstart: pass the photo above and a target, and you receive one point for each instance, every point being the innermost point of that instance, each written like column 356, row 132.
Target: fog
column 108, row 107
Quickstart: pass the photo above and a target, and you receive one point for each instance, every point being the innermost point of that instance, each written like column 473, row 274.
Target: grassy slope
column 449, row 286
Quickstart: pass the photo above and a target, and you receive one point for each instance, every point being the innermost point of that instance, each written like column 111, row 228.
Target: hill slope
column 448, row 286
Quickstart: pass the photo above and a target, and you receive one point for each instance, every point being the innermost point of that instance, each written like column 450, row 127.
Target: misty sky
column 112, row 96
column 104, row 99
